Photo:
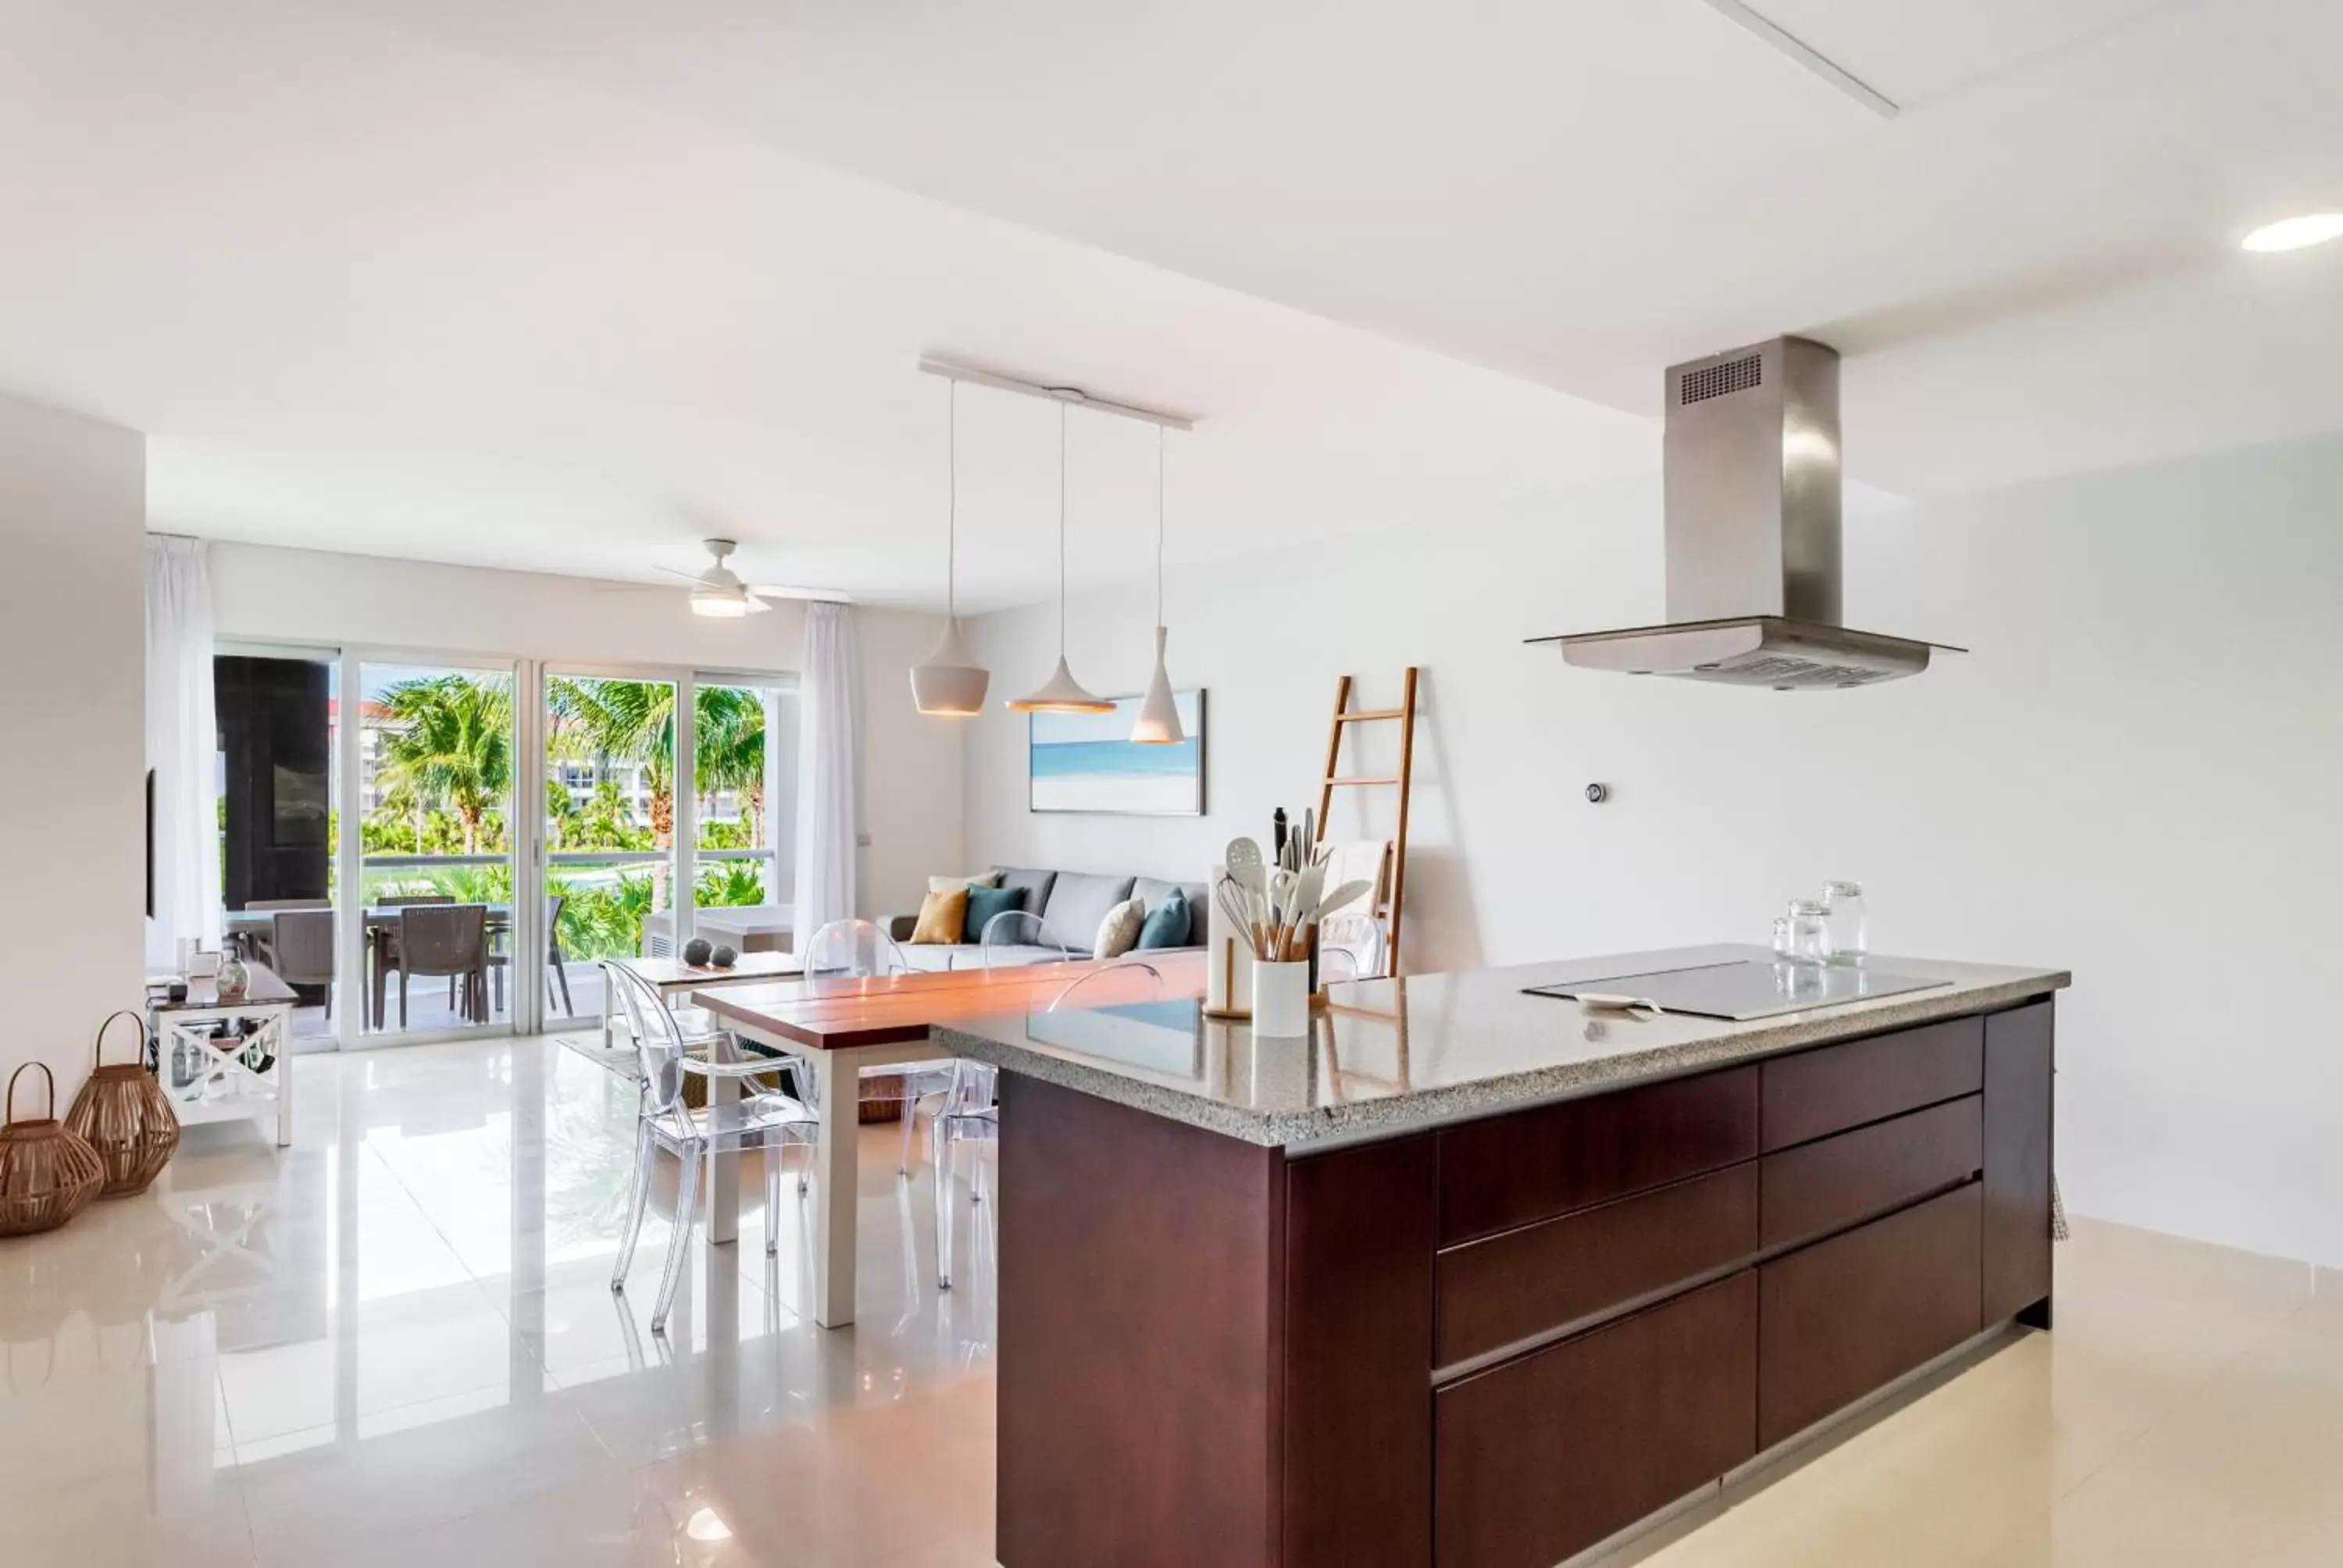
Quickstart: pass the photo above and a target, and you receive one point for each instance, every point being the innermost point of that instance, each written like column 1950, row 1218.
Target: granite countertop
column 1394, row 1056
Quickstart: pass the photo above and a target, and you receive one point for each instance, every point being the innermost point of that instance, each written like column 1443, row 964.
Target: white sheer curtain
column 830, row 766
column 183, row 749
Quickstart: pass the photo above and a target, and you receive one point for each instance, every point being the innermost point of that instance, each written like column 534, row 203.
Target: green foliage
column 602, row 919
column 727, row 884
column 733, row 835
column 446, row 745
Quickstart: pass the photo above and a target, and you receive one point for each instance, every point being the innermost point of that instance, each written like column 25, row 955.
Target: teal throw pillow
column 1166, row 925
column 987, row 903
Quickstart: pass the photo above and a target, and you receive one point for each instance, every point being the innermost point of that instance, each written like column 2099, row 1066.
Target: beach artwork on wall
column 1088, row 762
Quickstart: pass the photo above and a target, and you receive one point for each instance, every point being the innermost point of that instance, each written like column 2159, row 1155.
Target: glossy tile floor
column 395, row 1342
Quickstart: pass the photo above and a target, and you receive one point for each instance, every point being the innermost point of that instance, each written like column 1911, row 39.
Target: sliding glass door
column 435, row 906
column 278, row 710
column 611, row 872
column 744, row 777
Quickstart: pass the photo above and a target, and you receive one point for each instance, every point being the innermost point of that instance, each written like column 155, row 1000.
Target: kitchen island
column 1470, row 1277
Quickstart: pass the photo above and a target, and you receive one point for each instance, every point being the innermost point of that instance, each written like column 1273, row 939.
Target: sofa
column 1071, row 904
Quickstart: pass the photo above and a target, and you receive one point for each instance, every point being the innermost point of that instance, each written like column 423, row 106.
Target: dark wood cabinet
column 1833, row 1182
column 1542, row 1457
column 1814, row 1093
column 1531, row 1165
column 1845, row 1316
column 2018, row 1137
column 1501, row 1342
column 1358, row 1339
column 1504, row 1288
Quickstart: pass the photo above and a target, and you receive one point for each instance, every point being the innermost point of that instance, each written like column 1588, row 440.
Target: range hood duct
column 1751, row 473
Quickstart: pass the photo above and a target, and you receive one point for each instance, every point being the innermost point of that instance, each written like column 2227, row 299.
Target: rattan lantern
column 125, row 1116
column 46, row 1173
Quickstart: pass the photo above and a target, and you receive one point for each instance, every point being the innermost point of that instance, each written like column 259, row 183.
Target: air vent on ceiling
column 1719, row 379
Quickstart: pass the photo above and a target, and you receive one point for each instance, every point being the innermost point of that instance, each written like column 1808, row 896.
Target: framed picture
column 1088, row 762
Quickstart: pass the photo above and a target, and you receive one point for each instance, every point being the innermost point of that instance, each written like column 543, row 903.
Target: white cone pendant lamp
column 1061, row 693
column 946, row 684
column 1158, row 715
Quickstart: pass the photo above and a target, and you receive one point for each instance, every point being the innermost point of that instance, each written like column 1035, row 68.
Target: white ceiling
column 539, row 282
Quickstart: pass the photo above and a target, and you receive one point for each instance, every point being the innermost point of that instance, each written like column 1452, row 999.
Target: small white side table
column 211, row 1077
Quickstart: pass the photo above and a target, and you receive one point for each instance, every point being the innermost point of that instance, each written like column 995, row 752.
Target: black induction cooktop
column 1745, row 989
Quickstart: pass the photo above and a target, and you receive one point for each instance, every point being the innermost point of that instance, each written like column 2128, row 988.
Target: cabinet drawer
column 1542, row 1457
column 1844, row 1317
column 1831, row 1183
column 1508, row 1286
column 1531, row 1165
column 1818, row 1093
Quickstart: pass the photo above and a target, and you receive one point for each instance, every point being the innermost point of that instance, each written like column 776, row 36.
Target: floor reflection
column 397, row 1338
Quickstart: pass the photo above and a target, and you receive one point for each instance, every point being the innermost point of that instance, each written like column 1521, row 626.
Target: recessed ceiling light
column 2294, row 233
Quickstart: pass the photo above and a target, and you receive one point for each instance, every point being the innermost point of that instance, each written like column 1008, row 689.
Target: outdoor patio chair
column 450, row 940
column 555, row 973
column 301, row 945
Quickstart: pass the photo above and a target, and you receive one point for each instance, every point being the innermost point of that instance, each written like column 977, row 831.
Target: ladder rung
column 1368, row 715
column 1363, row 780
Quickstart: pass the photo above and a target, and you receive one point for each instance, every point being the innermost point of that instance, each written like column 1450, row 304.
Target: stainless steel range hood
column 1751, row 473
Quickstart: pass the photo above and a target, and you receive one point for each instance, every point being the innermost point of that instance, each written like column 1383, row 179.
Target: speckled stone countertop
column 1391, row 1057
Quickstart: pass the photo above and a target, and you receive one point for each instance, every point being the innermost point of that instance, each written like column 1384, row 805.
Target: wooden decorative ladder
column 1345, row 716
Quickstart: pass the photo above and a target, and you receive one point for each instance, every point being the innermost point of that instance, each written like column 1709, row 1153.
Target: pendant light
column 1062, row 693
column 946, row 684
column 1158, row 715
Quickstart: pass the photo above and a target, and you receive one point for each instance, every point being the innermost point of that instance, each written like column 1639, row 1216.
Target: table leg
column 835, row 1167
column 723, row 1202
column 280, row 1027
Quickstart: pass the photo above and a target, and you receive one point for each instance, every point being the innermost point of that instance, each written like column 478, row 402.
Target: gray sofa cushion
column 1078, row 902
column 1154, row 890
column 936, row 957
column 1036, row 883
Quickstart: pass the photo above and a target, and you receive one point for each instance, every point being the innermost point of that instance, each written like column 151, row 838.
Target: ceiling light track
column 1813, row 59
column 931, row 365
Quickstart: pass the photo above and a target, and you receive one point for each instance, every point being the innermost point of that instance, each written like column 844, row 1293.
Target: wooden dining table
column 840, row 1025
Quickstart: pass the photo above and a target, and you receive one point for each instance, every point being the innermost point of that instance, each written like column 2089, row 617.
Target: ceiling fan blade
column 757, row 605
column 692, row 577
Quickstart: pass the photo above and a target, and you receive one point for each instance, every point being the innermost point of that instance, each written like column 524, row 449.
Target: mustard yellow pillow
column 942, row 915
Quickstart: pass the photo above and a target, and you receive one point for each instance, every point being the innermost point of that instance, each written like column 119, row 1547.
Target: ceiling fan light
column 716, row 602
column 945, row 685
column 1158, row 713
column 2296, row 233
column 1062, row 694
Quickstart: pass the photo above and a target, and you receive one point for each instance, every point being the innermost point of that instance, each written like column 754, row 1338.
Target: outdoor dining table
column 839, row 1025
column 381, row 920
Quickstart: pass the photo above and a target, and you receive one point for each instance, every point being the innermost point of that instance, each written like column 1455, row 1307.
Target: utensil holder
column 1281, row 998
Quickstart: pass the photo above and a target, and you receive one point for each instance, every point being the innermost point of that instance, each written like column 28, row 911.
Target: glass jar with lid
column 1809, row 933
column 1846, row 922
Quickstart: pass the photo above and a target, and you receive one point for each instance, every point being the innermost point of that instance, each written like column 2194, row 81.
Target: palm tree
column 728, row 735
column 448, row 740
column 635, row 719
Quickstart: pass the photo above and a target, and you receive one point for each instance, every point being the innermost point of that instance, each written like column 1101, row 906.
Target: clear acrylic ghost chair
column 861, row 949
column 759, row 1120
column 969, row 1111
column 1350, row 947
column 1017, row 929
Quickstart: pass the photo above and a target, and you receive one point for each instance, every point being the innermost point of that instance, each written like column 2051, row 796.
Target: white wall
column 912, row 766
column 2133, row 775
column 73, row 637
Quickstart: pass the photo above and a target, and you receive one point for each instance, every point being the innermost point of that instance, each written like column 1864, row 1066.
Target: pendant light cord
column 1061, row 531
column 951, row 505
column 1159, row 525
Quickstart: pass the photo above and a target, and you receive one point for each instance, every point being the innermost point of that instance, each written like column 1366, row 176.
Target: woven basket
column 46, row 1173
column 125, row 1116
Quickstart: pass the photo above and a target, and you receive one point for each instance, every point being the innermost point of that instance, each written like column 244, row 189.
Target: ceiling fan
column 718, row 591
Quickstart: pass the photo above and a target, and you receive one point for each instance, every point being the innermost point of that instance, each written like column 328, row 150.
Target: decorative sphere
column 723, row 957
column 695, row 952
